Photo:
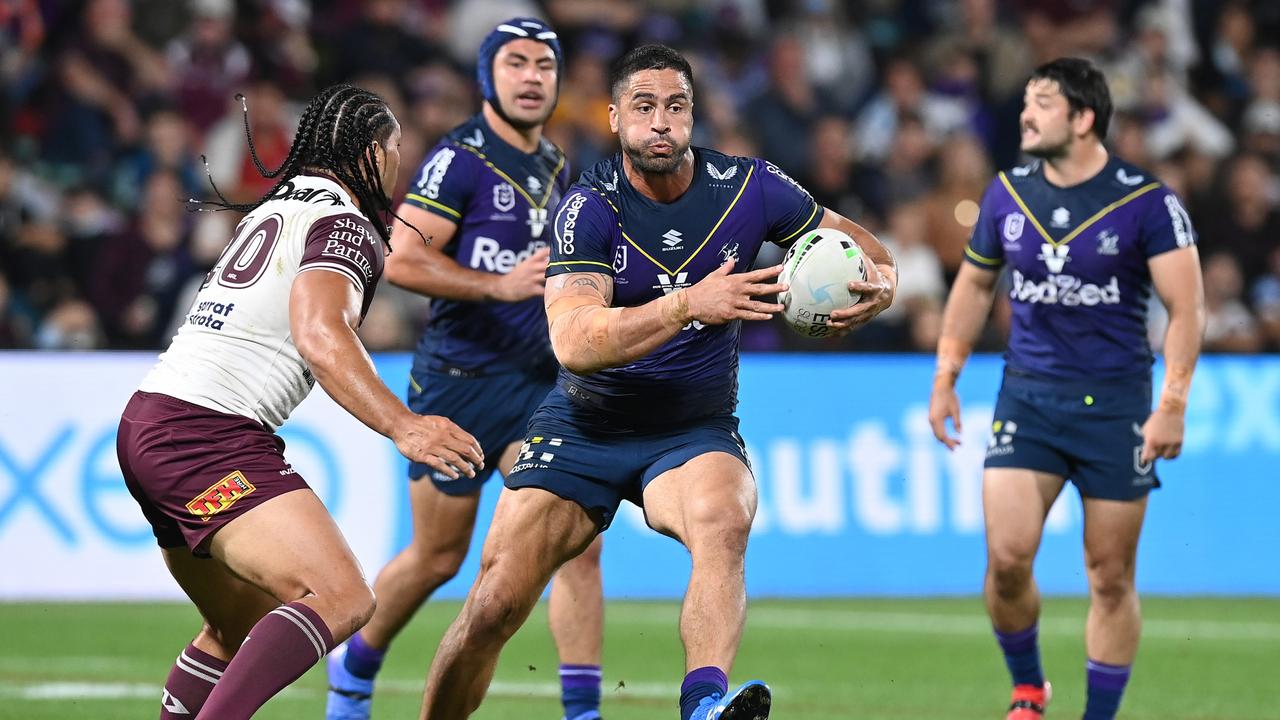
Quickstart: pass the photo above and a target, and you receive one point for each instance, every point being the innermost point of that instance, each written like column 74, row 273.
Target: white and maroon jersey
column 235, row 353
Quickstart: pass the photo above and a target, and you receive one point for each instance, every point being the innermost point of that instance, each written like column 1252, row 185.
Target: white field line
column 946, row 624
column 50, row 691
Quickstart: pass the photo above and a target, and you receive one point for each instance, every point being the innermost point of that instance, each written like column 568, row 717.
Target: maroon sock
column 278, row 650
column 192, row 678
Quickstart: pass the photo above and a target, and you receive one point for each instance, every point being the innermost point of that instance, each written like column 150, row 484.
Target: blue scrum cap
column 513, row 29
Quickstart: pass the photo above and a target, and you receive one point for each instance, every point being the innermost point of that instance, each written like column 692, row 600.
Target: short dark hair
column 1083, row 85
column 333, row 135
column 646, row 57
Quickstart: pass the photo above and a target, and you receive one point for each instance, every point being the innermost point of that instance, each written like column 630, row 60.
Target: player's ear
column 613, row 118
column 1083, row 121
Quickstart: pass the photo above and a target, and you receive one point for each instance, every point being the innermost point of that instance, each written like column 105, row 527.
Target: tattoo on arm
column 585, row 281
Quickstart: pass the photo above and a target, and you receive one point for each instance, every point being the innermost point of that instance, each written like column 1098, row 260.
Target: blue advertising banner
column 856, row 497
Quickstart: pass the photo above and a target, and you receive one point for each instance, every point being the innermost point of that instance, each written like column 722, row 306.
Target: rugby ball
column 818, row 268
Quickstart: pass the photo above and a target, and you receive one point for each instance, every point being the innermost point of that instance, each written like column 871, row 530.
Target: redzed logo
column 220, row 496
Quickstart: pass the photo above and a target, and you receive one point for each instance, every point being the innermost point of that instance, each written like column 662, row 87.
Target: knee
column 1010, row 570
column 496, row 608
column 1110, row 581
column 719, row 526
column 433, row 568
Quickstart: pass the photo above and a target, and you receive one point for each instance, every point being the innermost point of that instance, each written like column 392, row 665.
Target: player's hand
column 877, row 294
column 943, row 404
column 440, row 444
column 723, row 296
column 526, row 280
column 1162, row 435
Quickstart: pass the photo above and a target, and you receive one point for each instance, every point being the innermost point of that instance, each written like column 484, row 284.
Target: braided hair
column 334, row 135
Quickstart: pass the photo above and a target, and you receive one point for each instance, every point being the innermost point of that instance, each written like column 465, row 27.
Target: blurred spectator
column 14, row 330
column 70, row 325
column 917, row 306
column 280, row 45
column 904, row 93
column 166, row 147
column 378, row 43
column 1266, row 300
column 1229, row 326
column 1247, row 224
column 209, row 64
column 952, row 208
column 141, row 271
column 831, row 177
column 787, row 111
column 383, row 328
column 100, row 73
column 836, row 55
column 272, row 122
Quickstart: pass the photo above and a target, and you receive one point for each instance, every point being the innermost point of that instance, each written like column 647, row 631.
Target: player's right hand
column 440, row 444
column 943, row 404
column 723, row 296
column 526, row 280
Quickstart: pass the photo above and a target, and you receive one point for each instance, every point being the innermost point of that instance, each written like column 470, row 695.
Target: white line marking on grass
column 948, row 624
column 54, row 691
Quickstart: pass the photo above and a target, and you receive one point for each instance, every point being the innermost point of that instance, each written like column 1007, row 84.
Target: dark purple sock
column 700, row 683
column 278, row 650
column 192, row 678
column 361, row 660
column 1106, row 689
column 1022, row 655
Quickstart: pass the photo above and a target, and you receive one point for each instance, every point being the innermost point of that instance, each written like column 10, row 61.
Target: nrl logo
column 1013, row 224
column 504, row 197
column 726, row 174
column 620, row 259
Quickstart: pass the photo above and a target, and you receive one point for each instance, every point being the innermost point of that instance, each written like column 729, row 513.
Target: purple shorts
column 193, row 470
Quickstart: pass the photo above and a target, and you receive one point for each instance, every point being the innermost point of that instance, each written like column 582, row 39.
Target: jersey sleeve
column 1166, row 225
column 445, row 182
column 985, row 248
column 346, row 244
column 789, row 209
column 585, row 229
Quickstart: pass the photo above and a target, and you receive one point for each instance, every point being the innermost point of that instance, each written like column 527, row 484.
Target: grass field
column 1201, row 659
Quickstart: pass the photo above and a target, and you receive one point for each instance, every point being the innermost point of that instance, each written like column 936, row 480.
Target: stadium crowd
column 895, row 113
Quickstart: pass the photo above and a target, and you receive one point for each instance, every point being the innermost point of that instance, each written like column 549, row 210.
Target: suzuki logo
column 1054, row 256
column 672, row 239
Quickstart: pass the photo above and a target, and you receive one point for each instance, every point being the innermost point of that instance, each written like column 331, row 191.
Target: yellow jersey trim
column 1083, row 226
column 802, row 226
column 551, row 182
column 980, row 259
column 433, row 203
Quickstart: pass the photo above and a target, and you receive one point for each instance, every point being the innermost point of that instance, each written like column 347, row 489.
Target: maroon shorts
column 193, row 470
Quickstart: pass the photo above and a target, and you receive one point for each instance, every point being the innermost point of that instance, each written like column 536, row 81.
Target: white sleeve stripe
column 334, row 267
column 513, row 30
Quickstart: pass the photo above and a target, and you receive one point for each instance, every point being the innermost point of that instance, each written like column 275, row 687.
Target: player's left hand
column 877, row 294
column 1162, row 435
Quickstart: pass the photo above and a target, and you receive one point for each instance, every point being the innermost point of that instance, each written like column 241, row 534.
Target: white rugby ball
column 818, row 268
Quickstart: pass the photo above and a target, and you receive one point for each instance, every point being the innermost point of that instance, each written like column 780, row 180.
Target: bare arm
column 588, row 335
column 1178, row 282
column 967, row 308
column 882, row 274
column 324, row 312
column 426, row 270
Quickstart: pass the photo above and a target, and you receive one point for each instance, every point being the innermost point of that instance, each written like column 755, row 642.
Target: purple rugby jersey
column 603, row 225
column 1077, row 256
column 501, row 200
